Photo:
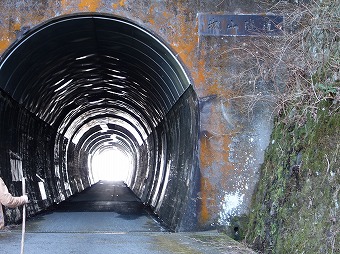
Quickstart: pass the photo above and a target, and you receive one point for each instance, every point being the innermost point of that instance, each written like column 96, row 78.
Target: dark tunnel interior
column 80, row 85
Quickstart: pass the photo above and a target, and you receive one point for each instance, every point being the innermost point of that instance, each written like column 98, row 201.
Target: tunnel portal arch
column 90, row 81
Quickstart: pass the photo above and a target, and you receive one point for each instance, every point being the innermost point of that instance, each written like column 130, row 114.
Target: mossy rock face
column 237, row 227
column 295, row 208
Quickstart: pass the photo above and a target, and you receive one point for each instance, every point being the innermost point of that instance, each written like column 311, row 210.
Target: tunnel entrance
column 78, row 85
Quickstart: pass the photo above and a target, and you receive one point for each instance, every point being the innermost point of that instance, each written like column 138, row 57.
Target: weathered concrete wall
column 231, row 143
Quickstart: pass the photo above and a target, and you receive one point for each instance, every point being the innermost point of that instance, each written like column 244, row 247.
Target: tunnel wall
column 178, row 203
column 167, row 177
column 77, row 168
column 27, row 139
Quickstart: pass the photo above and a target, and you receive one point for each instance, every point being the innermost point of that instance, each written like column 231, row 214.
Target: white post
column 23, row 217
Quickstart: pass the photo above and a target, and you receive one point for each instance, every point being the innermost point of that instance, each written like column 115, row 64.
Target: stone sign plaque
column 239, row 25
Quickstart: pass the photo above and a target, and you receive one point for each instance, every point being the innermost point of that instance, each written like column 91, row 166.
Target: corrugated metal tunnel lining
column 101, row 82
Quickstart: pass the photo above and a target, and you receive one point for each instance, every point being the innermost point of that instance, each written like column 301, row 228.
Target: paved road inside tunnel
column 109, row 207
column 108, row 218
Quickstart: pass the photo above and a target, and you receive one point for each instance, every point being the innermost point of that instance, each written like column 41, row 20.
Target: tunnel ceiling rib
column 74, row 69
column 107, row 123
column 81, row 125
column 94, row 139
column 89, row 86
column 82, row 117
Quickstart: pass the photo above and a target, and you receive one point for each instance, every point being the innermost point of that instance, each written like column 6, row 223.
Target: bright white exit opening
column 111, row 165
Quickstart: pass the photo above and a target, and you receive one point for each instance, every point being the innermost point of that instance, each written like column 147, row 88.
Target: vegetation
column 295, row 207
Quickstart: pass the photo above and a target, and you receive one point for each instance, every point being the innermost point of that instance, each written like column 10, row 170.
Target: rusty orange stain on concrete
column 218, row 134
column 63, row 3
column 121, row 3
column 200, row 76
column 184, row 42
column 4, row 44
column 213, row 89
column 185, row 51
column 207, row 190
column 216, row 89
column 212, row 185
column 206, row 201
column 214, row 147
column 206, row 150
column 89, row 5
column 165, row 14
column 152, row 9
column 16, row 26
column 151, row 15
column 186, row 54
column 218, row 151
column 178, row 32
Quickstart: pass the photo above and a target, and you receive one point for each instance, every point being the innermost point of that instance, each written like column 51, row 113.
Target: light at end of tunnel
column 111, row 165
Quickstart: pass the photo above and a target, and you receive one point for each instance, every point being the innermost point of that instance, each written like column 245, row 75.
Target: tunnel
column 82, row 85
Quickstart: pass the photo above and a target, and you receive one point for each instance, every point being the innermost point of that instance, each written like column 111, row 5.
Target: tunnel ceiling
column 85, row 74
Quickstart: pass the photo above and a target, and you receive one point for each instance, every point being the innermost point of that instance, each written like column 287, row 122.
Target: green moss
column 296, row 201
column 169, row 244
column 237, row 228
column 198, row 242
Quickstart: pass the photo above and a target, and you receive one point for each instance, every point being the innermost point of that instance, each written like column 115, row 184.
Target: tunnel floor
column 109, row 207
column 109, row 218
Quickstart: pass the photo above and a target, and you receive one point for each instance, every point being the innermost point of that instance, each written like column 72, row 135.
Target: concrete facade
column 232, row 136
